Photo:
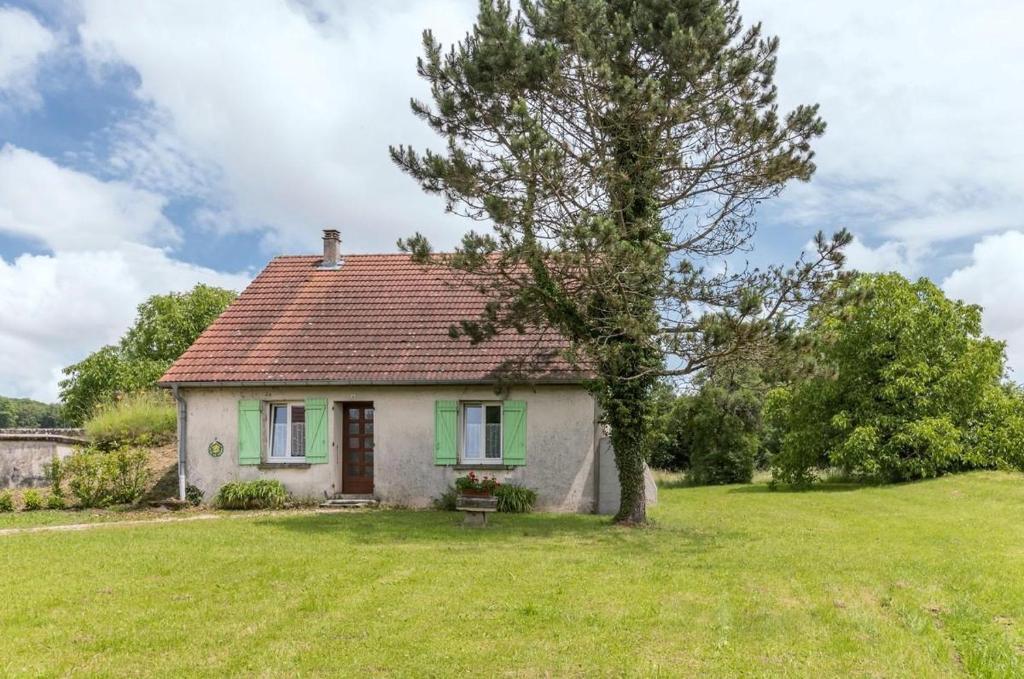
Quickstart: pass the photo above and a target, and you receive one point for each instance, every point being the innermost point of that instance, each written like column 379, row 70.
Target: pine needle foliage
column 617, row 150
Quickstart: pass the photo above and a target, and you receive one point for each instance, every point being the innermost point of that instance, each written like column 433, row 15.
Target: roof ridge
column 350, row 254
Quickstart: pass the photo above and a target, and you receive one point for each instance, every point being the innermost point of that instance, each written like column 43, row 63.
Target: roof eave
column 365, row 383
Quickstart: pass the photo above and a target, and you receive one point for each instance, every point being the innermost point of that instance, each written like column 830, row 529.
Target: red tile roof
column 378, row 319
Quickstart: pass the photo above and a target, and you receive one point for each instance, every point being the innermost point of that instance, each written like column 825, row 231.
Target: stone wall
column 25, row 452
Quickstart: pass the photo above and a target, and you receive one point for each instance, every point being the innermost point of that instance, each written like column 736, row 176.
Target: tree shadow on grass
column 392, row 526
column 812, row 488
column 756, row 487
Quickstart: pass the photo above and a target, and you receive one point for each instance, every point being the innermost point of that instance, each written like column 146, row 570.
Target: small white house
column 337, row 376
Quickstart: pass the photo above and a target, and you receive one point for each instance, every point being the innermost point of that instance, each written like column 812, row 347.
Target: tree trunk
column 627, row 403
column 629, row 458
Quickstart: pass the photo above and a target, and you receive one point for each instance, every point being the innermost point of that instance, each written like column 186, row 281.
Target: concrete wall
column 24, row 454
column 608, row 479
column 561, row 440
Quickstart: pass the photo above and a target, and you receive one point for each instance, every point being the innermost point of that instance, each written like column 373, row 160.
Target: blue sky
column 150, row 145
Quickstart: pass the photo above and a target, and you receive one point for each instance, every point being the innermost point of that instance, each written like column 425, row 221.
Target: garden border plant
column 99, row 479
column 258, row 494
column 515, row 499
column 32, row 500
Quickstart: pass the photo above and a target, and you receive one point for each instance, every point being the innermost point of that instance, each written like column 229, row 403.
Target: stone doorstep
column 342, row 501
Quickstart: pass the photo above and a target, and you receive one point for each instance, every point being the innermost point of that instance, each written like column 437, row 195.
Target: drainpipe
column 182, row 434
column 597, row 457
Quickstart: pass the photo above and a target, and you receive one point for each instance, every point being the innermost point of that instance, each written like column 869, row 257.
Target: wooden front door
column 357, row 448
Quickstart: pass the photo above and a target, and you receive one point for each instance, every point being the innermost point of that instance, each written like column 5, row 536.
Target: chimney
column 332, row 249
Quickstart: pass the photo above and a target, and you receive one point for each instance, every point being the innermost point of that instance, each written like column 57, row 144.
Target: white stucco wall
column 560, row 442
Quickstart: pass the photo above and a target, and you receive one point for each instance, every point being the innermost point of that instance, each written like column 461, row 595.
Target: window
column 287, row 432
column 481, row 433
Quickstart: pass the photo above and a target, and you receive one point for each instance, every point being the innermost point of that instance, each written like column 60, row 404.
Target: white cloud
column 292, row 107
column 58, row 308
column 923, row 103
column 995, row 280
column 71, row 210
column 888, row 256
column 23, row 43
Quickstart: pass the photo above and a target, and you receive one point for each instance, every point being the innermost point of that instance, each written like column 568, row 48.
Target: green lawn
column 917, row 580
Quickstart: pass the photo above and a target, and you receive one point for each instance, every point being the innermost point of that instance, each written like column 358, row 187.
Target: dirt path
column 178, row 519
column 105, row 524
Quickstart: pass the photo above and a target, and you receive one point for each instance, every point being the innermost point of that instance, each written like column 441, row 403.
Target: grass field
column 917, row 580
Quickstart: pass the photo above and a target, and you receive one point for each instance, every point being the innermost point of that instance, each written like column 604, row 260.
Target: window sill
column 284, row 465
column 483, row 467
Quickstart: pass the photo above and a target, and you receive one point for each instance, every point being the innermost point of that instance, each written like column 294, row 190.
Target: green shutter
column 316, row 430
column 249, row 432
column 513, row 424
column 445, row 418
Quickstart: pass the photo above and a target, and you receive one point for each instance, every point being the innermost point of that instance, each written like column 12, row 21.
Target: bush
column 140, row 419
column 446, row 501
column 723, row 435
column 193, row 495
column 55, row 502
column 6, row 501
column 31, row 500
column 261, row 494
column 670, row 444
column 515, row 499
column 98, row 478
column 55, row 471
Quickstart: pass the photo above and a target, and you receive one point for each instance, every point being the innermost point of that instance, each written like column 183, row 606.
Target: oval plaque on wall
column 216, row 448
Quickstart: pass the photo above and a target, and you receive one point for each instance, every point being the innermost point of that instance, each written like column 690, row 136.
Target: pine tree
column 616, row 148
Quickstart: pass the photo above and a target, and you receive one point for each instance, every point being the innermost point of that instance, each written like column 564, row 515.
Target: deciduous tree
column 163, row 329
column 909, row 388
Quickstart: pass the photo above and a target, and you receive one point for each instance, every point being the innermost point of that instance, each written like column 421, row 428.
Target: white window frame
column 287, row 458
column 483, row 460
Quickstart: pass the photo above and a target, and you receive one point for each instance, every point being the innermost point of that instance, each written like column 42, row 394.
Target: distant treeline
column 24, row 412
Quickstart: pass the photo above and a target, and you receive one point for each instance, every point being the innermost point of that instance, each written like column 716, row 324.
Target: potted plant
column 476, row 486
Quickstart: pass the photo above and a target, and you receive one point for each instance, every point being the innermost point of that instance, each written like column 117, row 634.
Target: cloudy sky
column 149, row 145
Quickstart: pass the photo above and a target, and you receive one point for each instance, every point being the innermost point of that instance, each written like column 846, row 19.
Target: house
column 336, row 375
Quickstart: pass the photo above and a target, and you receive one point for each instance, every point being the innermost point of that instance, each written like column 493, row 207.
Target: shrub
column 140, row 419
column 129, row 475
column 6, row 501
column 193, row 495
column 261, row 494
column 55, row 475
column 31, row 500
column 723, row 435
column 98, row 478
column 670, row 444
column 446, row 501
column 55, row 502
column 515, row 499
